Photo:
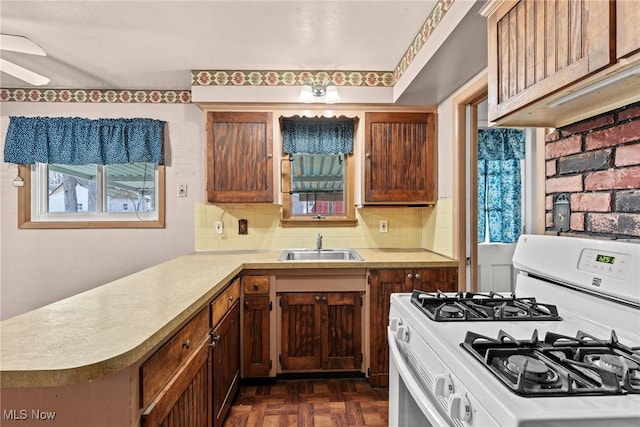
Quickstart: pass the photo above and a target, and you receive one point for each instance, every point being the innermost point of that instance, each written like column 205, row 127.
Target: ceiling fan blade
column 22, row 73
column 20, row 44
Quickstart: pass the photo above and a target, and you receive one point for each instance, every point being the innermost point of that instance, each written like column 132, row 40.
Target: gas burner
column 615, row 363
column 559, row 365
column 468, row 306
column 534, row 369
column 451, row 311
column 511, row 311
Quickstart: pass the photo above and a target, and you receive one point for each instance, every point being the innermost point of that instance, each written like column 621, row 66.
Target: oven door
column 411, row 402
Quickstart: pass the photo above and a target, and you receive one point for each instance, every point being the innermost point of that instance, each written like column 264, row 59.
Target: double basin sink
column 319, row 255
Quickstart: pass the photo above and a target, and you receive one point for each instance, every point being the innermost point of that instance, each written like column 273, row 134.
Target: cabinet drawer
column 161, row 366
column 256, row 284
column 223, row 303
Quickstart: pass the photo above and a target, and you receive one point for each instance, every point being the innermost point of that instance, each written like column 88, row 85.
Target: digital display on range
column 606, row 259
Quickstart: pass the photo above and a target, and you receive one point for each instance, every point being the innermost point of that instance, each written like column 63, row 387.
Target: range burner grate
column 469, row 306
column 559, row 365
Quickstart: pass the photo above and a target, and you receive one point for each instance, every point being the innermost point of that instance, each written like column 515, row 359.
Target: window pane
column 317, row 184
column 72, row 188
column 131, row 187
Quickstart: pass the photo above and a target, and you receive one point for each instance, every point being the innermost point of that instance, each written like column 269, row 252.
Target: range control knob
column 443, row 386
column 394, row 322
column 403, row 333
column 459, row 407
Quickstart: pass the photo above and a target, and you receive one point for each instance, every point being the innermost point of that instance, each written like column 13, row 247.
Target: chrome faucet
column 319, row 242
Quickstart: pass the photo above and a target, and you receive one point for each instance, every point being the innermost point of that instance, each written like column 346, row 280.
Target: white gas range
column 563, row 350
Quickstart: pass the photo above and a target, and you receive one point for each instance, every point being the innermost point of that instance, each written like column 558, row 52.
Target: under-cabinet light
column 631, row 72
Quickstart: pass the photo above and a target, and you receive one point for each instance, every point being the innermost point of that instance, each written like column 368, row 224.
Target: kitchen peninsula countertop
column 115, row 325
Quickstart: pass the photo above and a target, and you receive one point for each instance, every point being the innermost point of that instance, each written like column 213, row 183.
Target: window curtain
column 80, row 141
column 499, row 184
column 317, row 136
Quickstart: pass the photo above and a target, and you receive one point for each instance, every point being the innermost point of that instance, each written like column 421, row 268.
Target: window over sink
column 318, row 172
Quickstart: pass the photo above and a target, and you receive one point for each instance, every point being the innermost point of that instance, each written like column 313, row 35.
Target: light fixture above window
column 319, row 92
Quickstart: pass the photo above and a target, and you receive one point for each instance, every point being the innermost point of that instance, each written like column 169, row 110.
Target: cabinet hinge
column 369, row 372
column 270, row 364
column 361, row 359
column 270, row 305
column 361, row 299
column 280, row 358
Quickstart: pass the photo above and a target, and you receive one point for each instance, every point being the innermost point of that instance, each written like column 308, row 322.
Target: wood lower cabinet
column 383, row 283
column 400, row 158
column 225, row 356
column 176, row 379
column 256, row 316
column 185, row 400
column 321, row 331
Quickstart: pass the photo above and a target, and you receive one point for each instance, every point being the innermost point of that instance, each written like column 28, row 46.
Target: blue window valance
column 80, row 141
column 317, row 136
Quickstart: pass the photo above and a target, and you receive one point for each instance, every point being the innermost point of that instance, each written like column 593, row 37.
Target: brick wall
column 597, row 163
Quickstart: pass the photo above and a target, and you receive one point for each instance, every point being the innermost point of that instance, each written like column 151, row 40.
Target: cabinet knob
column 255, row 286
column 417, row 276
column 368, row 155
column 230, row 299
column 246, row 303
column 317, row 297
column 409, row 276
column 186, row 344
column 269, row 156
column 324, row 299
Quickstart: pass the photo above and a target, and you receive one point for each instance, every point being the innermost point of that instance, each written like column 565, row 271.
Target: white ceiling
column 146, row 44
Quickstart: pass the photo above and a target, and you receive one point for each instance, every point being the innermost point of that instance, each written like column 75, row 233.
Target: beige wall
column 38, row 267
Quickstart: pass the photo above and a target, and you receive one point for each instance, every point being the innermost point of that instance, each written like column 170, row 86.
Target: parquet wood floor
column 310, row 403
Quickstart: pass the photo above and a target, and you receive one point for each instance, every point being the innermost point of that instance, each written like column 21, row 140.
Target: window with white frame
column 94, row 192
column 88, row 173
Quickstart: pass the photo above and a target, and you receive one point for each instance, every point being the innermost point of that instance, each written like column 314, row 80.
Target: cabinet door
column 226, row 363
column 436, row 279
column 185, row 400
column 342, row 331
column 257, row 309
column 627, row 28
column 301, row 347
column 239, row 157
column 538, row 47
column 400, row 161
column 382, row 284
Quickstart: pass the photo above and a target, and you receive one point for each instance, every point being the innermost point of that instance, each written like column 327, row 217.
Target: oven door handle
column 423, row 398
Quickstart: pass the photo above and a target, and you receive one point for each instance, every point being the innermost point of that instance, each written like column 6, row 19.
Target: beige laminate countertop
column 115, row 325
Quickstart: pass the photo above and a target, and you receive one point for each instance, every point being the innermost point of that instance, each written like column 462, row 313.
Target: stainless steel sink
column 319, row 255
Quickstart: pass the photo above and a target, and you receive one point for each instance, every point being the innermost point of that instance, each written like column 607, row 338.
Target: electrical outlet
column 218, row 226
column 384, row 226
column 182, row 190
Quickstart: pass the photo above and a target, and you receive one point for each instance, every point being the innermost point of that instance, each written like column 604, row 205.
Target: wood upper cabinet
column 400, row 158
column 627, row 28
column 321, row 331
column 539, row 47
column 239, row 157
column 256, row 331
column 383, row 283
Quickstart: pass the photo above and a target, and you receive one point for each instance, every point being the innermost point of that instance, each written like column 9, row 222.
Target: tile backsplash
column 408, row 228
